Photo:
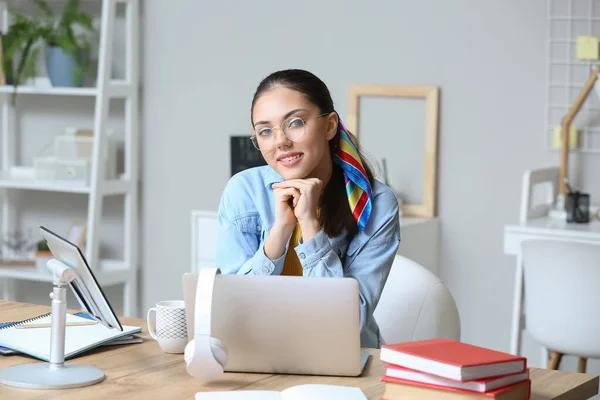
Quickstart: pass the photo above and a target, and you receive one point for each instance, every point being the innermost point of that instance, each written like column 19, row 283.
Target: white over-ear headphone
column 205, row 356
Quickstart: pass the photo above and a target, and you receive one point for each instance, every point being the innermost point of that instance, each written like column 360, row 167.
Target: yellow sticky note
column 573, row 137
column 587, row 48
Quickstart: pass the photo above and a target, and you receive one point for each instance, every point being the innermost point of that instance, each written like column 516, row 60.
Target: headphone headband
column 203, row 363
column 204, row 296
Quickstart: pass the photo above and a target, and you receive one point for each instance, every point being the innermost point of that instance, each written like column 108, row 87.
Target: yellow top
column 291, row 264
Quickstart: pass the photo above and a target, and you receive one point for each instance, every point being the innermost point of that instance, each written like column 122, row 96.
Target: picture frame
column 430, row 94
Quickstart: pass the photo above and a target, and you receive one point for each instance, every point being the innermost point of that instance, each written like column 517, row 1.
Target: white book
column 78, row 339
column 480, row 385
column 130, row 339
column 299, row 392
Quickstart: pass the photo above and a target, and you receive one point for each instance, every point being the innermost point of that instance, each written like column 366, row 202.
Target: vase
column 61, row 66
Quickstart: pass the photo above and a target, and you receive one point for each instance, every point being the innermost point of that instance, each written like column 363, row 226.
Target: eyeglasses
column 294, row 129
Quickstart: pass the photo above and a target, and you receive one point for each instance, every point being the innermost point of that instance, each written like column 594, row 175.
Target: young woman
column 315, row 210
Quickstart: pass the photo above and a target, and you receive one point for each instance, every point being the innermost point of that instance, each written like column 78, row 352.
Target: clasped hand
column 297, row 200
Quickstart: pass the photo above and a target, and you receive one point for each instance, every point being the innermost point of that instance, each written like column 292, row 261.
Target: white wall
column 204, row 60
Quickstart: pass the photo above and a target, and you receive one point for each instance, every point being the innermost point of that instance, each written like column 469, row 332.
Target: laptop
column 284, row 324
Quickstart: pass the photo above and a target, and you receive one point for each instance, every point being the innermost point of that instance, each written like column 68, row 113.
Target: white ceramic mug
column 171, row 329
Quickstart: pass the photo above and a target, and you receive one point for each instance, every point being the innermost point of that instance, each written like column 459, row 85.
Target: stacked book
column 451, row 370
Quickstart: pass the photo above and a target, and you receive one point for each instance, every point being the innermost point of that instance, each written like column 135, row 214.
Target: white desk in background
column 540, row 228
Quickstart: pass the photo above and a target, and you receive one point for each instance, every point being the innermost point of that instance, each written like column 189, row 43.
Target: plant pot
column 61, row 67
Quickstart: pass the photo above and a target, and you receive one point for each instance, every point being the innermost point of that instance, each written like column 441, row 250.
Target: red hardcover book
column 479, row 385
column 452, row 359
column 401, row 389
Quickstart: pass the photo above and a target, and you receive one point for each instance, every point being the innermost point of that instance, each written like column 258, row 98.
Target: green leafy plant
column 61, row 32
column 26, row 32
column 21, row 38
column 42, row 246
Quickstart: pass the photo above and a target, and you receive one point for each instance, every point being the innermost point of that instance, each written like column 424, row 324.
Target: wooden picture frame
column 426, row 209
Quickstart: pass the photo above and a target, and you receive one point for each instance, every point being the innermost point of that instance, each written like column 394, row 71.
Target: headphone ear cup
column 219, row 350
column 188, row 353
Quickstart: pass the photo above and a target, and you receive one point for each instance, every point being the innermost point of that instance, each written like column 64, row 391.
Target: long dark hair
column 335, row 216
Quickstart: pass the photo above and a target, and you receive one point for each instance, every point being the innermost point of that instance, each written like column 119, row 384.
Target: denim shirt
column 247, row 213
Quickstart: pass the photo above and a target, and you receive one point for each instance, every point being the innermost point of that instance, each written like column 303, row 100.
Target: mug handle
column 150, row 320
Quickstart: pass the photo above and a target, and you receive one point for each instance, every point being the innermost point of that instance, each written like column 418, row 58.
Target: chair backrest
column 562, row 295
column 415, row 305
column 204, row 239
column 532, row 180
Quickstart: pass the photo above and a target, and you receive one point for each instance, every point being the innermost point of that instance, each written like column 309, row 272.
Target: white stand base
column 48, row 376
column 54, row 374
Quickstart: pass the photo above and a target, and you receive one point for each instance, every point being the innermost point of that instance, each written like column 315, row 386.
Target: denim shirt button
column 302, row 256
column 266, row 269
column 258, row 228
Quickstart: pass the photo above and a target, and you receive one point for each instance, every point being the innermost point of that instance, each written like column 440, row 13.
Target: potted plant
column 21, row 40
column 67, row 53
column 42, row 249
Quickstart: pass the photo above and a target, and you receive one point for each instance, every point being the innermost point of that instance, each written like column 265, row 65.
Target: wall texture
column 202, row 62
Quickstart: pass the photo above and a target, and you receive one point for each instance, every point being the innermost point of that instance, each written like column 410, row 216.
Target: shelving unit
column 108, row 272
column 117, row 89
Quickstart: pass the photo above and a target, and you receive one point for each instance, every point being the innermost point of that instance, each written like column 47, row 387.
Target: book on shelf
column 452, row 359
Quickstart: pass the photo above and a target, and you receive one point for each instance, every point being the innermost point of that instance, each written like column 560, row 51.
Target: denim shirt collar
column 272, row 177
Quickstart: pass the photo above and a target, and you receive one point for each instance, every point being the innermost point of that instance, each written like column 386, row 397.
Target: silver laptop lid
column 284, row 324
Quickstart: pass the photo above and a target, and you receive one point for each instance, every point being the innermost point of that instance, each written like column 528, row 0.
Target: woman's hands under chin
column 296, row 201
column 285, row 222
column 285, row 201
column 304, row 195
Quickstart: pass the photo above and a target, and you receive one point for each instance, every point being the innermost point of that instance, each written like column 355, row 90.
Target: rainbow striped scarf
column 358, row 187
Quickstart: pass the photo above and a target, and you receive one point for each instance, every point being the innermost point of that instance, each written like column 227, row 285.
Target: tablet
column 85, row 286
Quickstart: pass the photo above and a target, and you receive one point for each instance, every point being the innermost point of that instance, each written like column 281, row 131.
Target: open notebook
column 299, row 392
column 78, row 339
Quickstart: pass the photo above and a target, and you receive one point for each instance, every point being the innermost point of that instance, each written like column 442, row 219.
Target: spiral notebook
column 129, row 339
column 78, row 339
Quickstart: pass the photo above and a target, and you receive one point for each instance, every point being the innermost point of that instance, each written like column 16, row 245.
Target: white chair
column 415, row 305
column 204, row 239
column 535, row 203
column 562, row 298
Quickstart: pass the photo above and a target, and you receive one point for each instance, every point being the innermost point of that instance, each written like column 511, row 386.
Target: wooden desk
column 540, row 228
column 143, row 371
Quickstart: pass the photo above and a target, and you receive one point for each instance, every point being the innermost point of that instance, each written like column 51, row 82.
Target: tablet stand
column 55, row 374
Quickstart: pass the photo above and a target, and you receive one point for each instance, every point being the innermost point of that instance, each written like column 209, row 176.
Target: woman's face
column 305, row 157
